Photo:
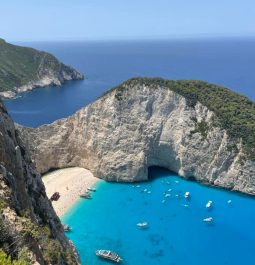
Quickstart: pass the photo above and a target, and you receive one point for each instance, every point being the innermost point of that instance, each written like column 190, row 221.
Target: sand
column 70, row 183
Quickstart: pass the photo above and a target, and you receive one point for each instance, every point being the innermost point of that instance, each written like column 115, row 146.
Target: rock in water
column 189, row 127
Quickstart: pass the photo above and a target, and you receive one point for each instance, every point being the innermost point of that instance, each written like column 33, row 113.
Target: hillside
column 30, row 231
column 23, row 69
column 198, row 130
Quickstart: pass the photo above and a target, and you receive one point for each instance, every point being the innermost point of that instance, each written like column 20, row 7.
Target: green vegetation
column 234, row 112
column 201, row 127
column 6, row 260
column 51, row 248
column 20, row 65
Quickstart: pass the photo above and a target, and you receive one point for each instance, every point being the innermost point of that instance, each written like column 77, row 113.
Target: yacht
column 108, row 254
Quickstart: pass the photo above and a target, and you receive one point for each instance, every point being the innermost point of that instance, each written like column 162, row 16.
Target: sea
column 176, row 233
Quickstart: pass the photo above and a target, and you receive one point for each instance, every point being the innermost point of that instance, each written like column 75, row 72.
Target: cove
column 176, row 234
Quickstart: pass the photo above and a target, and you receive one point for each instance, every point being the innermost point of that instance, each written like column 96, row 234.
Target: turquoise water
column 176, row 234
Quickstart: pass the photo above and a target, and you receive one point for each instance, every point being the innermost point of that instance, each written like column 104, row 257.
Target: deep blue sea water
column 228, row 62
column 176, row 235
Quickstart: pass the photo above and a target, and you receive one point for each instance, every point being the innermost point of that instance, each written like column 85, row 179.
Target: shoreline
column 70, row 183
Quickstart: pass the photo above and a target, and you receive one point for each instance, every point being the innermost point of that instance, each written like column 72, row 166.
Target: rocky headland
column 201, row 131
column 23, row 69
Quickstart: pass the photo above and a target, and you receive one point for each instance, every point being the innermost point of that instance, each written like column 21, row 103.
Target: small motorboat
column 208, row 219
column 142, row 225
column 86, row 195
column 67, row 228
column 187, row 194
column 209, row 204
column 167, row 195
column 229, row 201
column 108, row 254
column 91, row 189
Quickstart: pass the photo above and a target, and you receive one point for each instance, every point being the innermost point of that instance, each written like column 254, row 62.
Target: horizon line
column 145, row 38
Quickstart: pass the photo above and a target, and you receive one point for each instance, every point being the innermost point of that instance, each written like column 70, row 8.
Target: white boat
column 142, row 225
column 229, row 201
column 209, row 204
column 67, row 228
column 208, row 219
column 148, row 191
column 107, row 254
column 91, row 189
column 145, row 190
column 187, row 194
column 167, row 195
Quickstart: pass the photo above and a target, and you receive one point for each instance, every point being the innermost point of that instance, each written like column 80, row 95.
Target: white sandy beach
column 70, row 183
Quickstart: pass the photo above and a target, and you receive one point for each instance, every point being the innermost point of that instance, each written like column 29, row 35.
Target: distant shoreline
column 70, row 183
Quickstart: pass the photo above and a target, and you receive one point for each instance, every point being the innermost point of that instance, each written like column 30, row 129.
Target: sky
column 58, row 20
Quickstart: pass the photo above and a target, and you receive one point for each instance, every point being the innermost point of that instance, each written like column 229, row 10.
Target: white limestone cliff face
column 123, row 133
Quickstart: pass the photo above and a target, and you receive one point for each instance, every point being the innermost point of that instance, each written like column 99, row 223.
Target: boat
column 142, row 225
column 208, row 219
column 229, row 201
column 209, row 204
column 67, row 228
column 187, row 194
column 86, row 195
column 167, row 195
column 108, row 254
column 91, row 189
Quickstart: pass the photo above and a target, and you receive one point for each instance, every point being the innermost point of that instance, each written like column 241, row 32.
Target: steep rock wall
column 28, row 222
column 126, row 131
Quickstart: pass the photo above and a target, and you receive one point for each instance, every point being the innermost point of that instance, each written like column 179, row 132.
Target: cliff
column 198, row 130
column 30, row 231
column 23, row 69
